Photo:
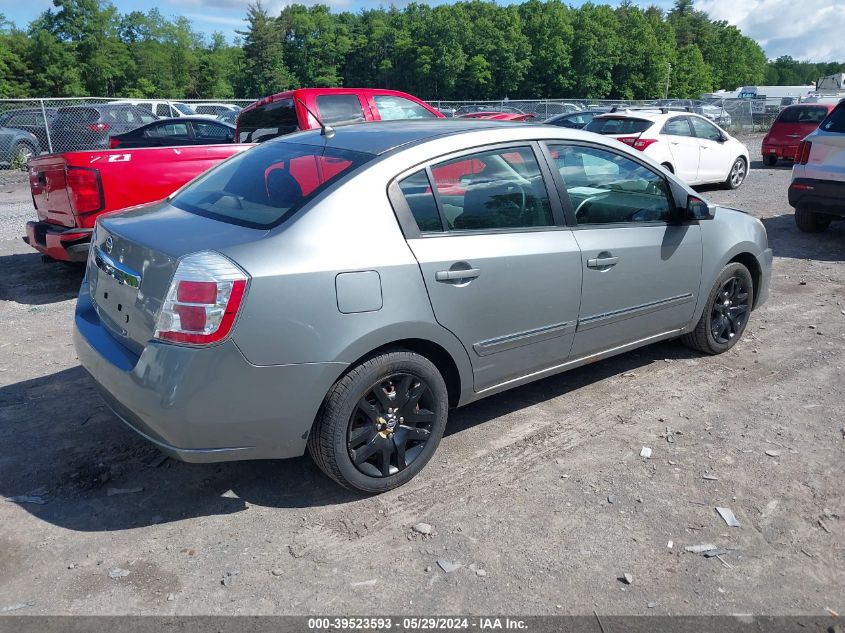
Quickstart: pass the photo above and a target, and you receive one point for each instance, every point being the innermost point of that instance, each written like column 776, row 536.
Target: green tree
column 690, row 76
column 548, row 29
column 264, row 70
column 595, row 50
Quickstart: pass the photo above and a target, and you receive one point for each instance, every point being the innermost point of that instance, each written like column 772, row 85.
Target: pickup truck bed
column 71, row 190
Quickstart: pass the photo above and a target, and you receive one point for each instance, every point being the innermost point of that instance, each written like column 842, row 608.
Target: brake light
column 803, row 153
column 642, row 143
column 83, row 184
column 98, row 127
column 114, row 142
column 628, row 140
column 203, row 300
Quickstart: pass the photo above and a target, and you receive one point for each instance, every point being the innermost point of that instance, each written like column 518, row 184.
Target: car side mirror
column 698, row 209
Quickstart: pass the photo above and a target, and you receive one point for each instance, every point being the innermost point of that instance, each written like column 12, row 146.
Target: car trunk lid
column 133, row 260
column 48, row 184
column 827, row 156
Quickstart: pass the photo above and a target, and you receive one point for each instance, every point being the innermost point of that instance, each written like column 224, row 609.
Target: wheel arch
column 751, row 262
column 429, row 340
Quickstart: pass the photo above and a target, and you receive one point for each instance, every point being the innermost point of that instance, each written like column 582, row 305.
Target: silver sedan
column 342, row 291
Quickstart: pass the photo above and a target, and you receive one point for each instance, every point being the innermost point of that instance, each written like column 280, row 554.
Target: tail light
column 86, row 192
column 802, row 156
column 642, row 143
column 628, row 140
column 98, row 127
column 114, row 142
column 203, row 300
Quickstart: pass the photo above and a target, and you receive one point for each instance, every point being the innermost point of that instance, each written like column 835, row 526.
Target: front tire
column 381, row 422
column 811, row 222
column 726, row 312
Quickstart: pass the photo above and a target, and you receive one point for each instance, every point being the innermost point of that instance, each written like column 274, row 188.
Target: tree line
column 473, row 49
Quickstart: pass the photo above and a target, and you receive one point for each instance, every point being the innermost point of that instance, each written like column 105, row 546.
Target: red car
column 792, row 125
column 294, row 110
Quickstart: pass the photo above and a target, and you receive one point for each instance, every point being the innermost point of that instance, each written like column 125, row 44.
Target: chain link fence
column 29, row 127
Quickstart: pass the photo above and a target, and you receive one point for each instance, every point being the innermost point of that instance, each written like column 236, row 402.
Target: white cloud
column 805, row 29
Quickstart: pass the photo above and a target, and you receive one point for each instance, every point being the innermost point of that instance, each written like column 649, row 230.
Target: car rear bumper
column 203, row 405
column 788, row 152
column 61, row 243
column 819, row 196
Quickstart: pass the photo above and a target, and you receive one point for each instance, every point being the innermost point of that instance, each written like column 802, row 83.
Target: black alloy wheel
column 729, row 310
column 391, row 425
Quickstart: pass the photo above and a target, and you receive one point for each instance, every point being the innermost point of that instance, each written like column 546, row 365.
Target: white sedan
column 686, row 144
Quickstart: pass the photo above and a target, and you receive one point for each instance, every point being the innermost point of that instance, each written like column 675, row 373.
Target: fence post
column 47, row 127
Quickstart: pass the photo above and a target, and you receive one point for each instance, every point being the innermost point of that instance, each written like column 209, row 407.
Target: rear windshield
column 618, row 125
column 262, row 187
column 79, row 115
column 267, row 121
column 803, row 114
column 835, row 122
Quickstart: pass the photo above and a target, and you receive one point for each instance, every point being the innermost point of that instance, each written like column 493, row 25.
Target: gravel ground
column 543, row 488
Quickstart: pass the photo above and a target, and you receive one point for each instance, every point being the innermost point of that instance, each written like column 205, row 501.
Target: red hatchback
column 792, row 125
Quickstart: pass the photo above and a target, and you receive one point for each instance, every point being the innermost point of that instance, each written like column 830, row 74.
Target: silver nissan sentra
column 342, row 290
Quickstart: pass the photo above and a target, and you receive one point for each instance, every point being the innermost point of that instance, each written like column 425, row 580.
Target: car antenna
column 325, row 130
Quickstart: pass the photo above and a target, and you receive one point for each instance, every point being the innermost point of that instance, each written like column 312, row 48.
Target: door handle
column 454, row 275
column 602, row 262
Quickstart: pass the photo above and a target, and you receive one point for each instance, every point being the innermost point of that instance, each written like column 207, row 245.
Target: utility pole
column 668, row 74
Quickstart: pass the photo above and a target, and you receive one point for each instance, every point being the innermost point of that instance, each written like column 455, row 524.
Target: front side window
column 608, row 188
column 679, row 126
column 264, row 186
column 393, row 108
column 162, row 109
column 497, row 189
column 420, row 199
column 705, row 130
column 340, row 109
column 210, row 130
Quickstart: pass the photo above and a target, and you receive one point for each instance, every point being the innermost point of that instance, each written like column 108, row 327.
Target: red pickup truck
column 71, row 190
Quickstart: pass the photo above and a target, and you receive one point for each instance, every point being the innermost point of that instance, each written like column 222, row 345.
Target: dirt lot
column 543, row 488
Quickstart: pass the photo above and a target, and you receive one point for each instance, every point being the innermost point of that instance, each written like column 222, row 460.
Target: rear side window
column 498, row 189
column 340, row 109
column 802, row 115
column 618, row 125
column 267, row 121
column 420, row 199
column 168, row 129
column 835, row 122
column 266, row 185
column 162, row 109
column 393, row 108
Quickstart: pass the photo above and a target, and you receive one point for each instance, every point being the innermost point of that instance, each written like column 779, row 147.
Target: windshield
column 803, row 115
column 183, row 108
column 267, row 121
column 618, row 125
column 262, row 187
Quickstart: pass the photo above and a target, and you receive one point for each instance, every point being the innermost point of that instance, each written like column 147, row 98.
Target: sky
column 808, row 30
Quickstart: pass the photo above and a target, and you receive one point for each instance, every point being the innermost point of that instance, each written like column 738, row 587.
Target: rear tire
column 811, row 222
column 23, row 152
column 726, row 312
column 771, row 160
column 737, row 174
column 381, row 423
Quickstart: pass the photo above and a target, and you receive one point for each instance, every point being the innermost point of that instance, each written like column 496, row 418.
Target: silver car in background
column 342, row 291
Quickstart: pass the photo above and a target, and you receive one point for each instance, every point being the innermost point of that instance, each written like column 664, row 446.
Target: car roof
column 196, row 119
column 379, row 137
